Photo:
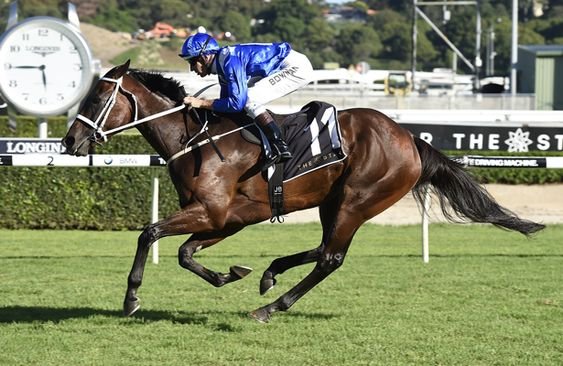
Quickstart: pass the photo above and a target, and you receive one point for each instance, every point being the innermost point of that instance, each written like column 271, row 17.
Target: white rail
column 62, row 160
column 555, row 162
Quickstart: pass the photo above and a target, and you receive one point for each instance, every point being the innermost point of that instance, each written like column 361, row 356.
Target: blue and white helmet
column 197, row 45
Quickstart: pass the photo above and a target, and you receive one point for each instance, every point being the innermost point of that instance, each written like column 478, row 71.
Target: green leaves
column 119, row 198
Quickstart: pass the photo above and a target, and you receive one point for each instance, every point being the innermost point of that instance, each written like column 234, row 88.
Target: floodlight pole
column 414, row 37
column 514, row 58
column 478, row 60
column 476, row 66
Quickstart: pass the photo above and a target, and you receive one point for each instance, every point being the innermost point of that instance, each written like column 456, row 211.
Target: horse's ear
column 121, row 69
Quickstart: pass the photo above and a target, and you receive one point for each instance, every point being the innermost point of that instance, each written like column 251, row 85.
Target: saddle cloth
column 314, row 139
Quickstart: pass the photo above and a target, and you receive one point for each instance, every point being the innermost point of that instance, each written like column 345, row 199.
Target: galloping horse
column 219, row 198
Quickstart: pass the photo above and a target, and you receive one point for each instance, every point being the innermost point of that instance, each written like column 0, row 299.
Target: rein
column 210, row 139
column 100, row 134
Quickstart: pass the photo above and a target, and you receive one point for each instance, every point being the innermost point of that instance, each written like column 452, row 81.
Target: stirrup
column 282, row 152
column 285, row 156
column 272, row 160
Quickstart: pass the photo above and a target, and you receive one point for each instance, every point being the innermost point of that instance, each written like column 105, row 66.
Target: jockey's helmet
column 197, row 45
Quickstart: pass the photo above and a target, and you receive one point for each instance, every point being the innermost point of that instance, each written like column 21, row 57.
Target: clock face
column 45, row 66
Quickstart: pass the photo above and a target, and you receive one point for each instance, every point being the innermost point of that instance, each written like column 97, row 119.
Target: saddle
column 314, row 139
column 313, row 136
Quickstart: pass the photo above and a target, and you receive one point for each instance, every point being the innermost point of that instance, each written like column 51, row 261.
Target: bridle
column 98, row 125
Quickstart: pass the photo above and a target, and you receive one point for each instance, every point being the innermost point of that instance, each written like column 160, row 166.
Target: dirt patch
column 541, row 203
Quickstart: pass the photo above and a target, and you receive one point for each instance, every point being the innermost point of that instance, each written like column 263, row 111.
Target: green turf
column 487, row 297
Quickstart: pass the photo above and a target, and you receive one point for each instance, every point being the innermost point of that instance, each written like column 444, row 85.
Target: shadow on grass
column 452, row 255
column 467, row 255
column 38, row 314
column 31, row 314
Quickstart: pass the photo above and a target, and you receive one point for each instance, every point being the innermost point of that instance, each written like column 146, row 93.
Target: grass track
column 488, row 297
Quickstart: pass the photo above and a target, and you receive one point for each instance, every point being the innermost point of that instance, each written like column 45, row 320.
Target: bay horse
column 219, row 198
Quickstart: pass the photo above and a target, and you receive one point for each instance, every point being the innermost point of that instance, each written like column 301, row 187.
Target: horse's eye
column 96, row 100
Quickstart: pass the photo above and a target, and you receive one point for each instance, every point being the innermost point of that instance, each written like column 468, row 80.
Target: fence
column 61, row 160
column 345, row 92
column 486, row 162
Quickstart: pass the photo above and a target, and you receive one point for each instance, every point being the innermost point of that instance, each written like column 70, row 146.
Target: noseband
column 98, row 124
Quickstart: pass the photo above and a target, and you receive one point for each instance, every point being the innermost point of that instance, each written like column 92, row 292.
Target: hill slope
column 105, row 44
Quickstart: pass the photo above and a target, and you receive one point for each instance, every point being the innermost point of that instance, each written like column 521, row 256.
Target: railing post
column 154, row 216
column 425, row 209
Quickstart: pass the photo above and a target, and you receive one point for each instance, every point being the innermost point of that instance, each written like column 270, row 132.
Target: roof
column 543, row 50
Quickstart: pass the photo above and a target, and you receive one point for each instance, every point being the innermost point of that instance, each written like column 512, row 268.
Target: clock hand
column 42, row 68
column 28, row 67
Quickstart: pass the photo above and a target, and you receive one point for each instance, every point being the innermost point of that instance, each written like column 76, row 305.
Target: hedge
column 119, row 198
column 81, row 198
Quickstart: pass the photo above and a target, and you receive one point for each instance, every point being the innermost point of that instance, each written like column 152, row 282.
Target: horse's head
column 107, row 107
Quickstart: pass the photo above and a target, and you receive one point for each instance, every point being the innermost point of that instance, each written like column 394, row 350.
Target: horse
column 219, row 197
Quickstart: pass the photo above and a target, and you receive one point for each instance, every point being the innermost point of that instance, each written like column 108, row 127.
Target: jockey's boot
column 280, row 152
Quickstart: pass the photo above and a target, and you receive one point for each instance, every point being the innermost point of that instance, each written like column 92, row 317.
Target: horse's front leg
column 179, row 223
column 150, row 234
column 201, row 241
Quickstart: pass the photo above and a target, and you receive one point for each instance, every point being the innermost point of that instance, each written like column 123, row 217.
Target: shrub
column 119, row 198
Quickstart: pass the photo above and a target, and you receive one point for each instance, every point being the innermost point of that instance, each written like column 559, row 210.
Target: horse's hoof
column 240, row 271
column 266, row 285
column 130, row 307
column 261, row 315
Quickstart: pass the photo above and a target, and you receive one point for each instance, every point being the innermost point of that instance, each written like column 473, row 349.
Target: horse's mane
column 158, row 83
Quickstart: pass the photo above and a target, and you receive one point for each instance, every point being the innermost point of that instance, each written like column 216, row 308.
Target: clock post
column 47, row 66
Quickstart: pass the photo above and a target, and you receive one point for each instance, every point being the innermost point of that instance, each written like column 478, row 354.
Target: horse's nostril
column 68, row 142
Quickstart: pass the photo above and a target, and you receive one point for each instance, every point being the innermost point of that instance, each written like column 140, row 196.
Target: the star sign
column 518, row 141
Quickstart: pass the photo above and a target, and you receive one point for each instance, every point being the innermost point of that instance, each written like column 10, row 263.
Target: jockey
column 250, row 75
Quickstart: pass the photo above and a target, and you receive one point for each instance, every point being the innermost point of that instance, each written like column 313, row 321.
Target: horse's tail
column 467, row 199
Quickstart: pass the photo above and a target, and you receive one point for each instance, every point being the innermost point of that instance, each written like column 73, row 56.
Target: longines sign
column 31, row 146
column 511, row 139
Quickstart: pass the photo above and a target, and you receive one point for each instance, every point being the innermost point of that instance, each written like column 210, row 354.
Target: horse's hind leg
column 330, row 258
column 201, row 241
column 280, row 265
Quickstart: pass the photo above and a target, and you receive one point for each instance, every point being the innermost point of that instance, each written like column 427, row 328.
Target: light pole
column 414, row 36
column 514, row 58
column 491, row 53
column 477, row 64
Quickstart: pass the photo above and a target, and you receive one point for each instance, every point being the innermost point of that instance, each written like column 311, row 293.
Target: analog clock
column 46, row 66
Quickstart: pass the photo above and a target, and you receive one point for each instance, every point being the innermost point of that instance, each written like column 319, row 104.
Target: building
column 540, row 72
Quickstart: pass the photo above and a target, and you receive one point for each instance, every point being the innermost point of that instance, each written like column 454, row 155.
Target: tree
column 289, row 29
column 318, row 44
column 236, row 23
column 287, row 19
column 110, row 17
column 171, row 11
column 320, row 35
column 394, row 29
column 427, row 53
column 397, row 5
column 356, row 43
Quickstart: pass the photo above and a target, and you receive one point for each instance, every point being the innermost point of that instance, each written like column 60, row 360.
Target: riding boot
column 280, row 151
